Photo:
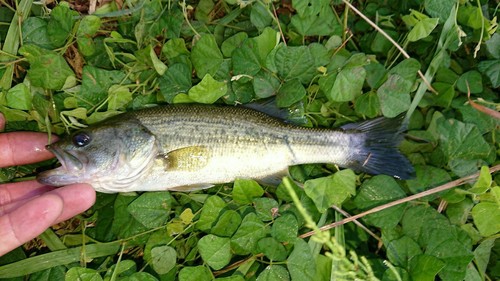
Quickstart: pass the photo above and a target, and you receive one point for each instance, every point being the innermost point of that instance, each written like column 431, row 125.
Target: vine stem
column 440, row 188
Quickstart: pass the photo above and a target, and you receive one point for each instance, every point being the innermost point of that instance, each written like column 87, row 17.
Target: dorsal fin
column 293, row 114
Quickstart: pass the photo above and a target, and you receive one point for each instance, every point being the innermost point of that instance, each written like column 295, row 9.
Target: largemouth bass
column 190, row 147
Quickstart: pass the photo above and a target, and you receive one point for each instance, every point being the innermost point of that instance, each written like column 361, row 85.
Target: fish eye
column 81, row 139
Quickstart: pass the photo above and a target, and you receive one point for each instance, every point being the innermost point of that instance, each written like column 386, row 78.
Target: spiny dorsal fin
column 293, row 114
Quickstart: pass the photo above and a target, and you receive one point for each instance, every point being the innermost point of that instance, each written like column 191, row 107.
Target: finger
column 12, row 195
column 2, row 122
column 77, row 198
column 20, row 148
column 28, row 221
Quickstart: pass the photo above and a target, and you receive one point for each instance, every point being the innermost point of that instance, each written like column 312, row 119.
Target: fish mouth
column 69, row 172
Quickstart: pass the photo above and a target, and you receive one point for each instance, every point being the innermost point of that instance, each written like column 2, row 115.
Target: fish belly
column 224, row 165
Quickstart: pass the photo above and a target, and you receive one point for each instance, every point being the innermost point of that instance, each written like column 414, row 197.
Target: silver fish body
column 190, row 147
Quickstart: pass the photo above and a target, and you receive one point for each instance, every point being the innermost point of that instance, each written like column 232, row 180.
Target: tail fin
column 379, row 152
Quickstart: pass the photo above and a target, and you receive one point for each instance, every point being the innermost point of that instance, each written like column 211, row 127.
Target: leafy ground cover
column 67, row 64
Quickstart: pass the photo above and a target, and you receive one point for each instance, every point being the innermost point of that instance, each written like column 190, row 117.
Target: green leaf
column 402, row 250
column 439, row 238
column 261, row 15
column 163, row 259
column 124, row 225
column 315, row 17
column 266, row 42
column 471, row 16
column 308, row 7
column 422, row 29
column 427, row 177
column 251, row 230
column 19, row 97
column 266, row 208
column 35, row 32
column 215, row 251
column 482, row 254
column 300, row 263
column 446, row 93
column 48, row 69
column 418, row 222
column 176, row 80
column 87, row 28
column 245, row 59
column 235, row 277
column 368, row 105
column 60, row 24
column 483, row 183
column 210, row 212
column 203, row 11
column 157, row 64
column 195, row 273
column 227, row 224
column 289, row 93
column 376, row 191
column 293, row 62
column 244, row 190
column 54, row 273
column 439, row 8
column 394, row 96
column 458, row 213
column 463, row 145
column 95, row 85
column 151, row 209
column 139, row 276
column 266, row 85
column 99, row 116
column 347, row 85
column 331, row 190
column 232, row 43
column 491, row 69
column 274, row 273
column 206, row 56
column 118, row 97
column 83, row 274
column 89, row 25
column 285, row 228
column 208, row 90
column 493, row 45
column 272, row 249
column 375, row 73
column 425, row 267
column 453, row 252
column 487, row 218
column 174, row 47
column 474, row 79
column 407, row 69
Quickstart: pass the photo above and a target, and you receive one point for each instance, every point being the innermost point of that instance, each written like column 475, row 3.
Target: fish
column 191, row 147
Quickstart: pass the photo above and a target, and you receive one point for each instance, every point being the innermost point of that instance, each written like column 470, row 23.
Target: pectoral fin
column 189, row 159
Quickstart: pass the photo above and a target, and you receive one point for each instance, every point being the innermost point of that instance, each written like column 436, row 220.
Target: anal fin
column 191, row 187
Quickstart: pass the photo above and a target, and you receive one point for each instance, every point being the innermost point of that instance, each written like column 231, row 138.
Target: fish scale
column 190, row 147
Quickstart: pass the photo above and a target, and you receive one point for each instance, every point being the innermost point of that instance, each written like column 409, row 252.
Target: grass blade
column 63, row 257
column 12, row 39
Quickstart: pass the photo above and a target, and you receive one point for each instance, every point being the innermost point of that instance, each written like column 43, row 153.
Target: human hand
column 28, row 208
